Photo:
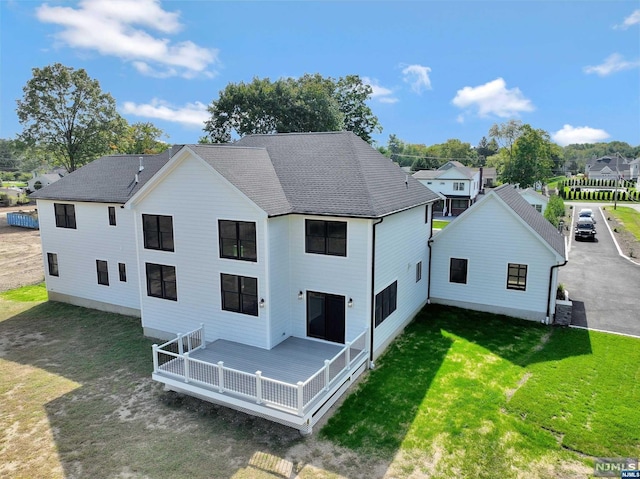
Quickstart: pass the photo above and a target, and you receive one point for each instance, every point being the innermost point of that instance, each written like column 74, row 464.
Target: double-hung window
column 517, row 276
column 458, row 186
column 238, row 240
column 326, row 237
column 52, row 260
column 161, row 281
column 102, row 269
column 239, row 294
column 158, row 232
column 65, row 215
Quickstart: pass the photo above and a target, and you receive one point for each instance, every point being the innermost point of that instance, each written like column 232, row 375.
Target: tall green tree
column 141, row 138
column 308, row 103
column 65, row 111
column 506, row 134
column 531, row 158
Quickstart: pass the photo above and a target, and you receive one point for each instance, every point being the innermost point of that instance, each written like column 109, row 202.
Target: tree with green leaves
column 506, row 135
column 308, row 103
column 142, row 138
column 65, row 112
column 486, row 149
column 530, row 160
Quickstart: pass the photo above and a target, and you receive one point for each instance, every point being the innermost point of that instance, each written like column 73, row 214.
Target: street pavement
column 604, row 287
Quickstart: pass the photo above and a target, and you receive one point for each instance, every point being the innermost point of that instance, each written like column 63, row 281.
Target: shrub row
column 600, row 195
column 595, row 183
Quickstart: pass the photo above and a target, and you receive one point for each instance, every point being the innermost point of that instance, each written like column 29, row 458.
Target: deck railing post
column 259, row 387
column 180, row 347
column 202, row 340
column 327, row 378
column 300, row 398
column 155, row 358
column 221, row 376
column 347, row 358
column 186, row 367
column 189, row 344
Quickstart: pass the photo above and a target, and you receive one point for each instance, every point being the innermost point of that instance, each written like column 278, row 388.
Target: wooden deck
column 293, row 360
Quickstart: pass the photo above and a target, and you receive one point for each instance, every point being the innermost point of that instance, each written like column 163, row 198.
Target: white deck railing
column 173, row 358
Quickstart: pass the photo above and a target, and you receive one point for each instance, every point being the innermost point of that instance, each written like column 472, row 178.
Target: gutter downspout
column 429, row 243
column 373, row 294
column 547, row 319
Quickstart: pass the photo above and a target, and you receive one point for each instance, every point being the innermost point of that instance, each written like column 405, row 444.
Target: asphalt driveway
column 604, row 287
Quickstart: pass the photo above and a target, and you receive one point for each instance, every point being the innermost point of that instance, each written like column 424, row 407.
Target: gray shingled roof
column 535, row 220
column 338, row 174
column 251, row 171
column 334, row 173
column 110, row 179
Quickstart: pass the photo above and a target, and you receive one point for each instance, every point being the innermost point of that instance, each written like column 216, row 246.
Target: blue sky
column 438, row 69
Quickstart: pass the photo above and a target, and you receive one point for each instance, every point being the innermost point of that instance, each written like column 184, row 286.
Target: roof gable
column 520, row 209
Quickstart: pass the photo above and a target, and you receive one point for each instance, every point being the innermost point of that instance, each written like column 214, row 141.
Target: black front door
column 325, row 316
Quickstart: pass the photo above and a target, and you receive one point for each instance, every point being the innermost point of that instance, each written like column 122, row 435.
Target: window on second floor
column 102, row 269
column 112, row 215
column 65, row 215
column 326, row 237
column 158, row 232
column 238, row 240
column 418, row 271
column 538, row 208
column 458, row 186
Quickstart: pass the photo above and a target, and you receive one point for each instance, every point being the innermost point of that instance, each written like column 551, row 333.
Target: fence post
column 155, row 358
column 326, row 373
column 348, row 356
column 300, row 398
column 180, row 348
column 189, row 344
column 221, row 376
column 259, row 387
column 203, row 343
column 186, row 367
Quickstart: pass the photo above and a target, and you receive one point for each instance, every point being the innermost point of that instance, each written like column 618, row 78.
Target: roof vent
column 141, row 167
column 137, row 178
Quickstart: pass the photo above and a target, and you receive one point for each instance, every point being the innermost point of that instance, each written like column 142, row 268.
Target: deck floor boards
column 293, row 360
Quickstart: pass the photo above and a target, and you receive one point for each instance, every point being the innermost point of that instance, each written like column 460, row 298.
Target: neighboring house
column 289, row 261
column 609, row 168
column 535, row 199
column 499, row 256
column 457, row 183
column 40, row 181
column 634, row 167
column 488, row 177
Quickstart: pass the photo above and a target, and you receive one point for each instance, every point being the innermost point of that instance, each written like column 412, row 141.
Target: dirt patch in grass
column 20, row 255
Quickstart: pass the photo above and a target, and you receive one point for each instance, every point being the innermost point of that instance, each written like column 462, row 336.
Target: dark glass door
column 325, row 316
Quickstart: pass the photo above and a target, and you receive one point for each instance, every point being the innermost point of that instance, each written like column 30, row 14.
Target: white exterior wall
column 78, row 249
column 282, row 296
column 490, row 238
column 197, row 257
column 534, row 199
column 344, row 276
column 401, row 242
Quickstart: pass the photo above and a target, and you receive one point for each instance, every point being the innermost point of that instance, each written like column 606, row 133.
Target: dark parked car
column 585, row 228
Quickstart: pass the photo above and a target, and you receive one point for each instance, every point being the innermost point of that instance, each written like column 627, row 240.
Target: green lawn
column 629, row 217
column 475, row 395
column 439, row 224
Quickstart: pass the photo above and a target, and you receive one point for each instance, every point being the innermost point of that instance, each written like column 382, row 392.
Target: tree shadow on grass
column 89, row 376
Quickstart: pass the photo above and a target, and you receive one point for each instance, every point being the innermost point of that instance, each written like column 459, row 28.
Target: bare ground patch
column 20, row 255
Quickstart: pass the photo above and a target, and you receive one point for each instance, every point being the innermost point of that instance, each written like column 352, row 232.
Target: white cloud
column 493, row 98
column 418, row 77
column 115, row 28
column 613, row 63
column 380, row 93
column 570, row 135
column 191, row 114
column 632, row 19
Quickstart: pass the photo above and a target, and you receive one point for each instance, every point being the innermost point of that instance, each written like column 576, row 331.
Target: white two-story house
column 458, row 185
column 276, row 268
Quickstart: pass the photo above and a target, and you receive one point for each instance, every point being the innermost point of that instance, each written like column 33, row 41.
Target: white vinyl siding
column 401, row 242
column 490, row 239
column 196, row 256
column 282, row 295
column 77, row 251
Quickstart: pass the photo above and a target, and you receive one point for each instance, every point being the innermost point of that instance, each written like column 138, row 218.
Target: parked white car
column 586, row 213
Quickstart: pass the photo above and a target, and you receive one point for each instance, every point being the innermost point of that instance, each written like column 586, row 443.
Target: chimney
column 481, row 185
